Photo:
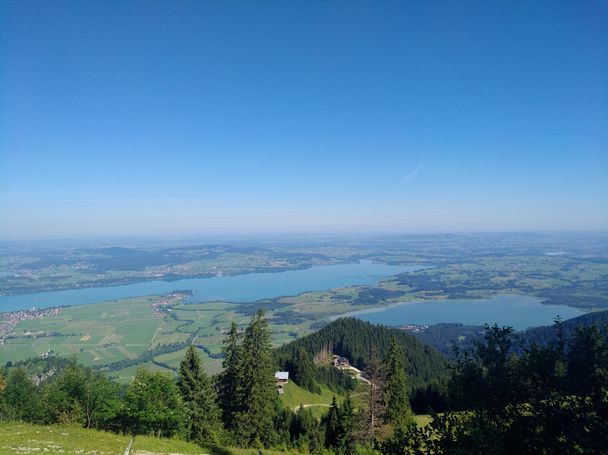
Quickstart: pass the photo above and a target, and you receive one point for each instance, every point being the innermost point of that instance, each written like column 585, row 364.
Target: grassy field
column 143, row 445
column 21, row 438
column 97, row 333
column 146, row 445
column 102, row 333
column 318, row 404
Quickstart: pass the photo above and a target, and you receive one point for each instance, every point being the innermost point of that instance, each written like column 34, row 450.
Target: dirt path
column 128, row 449
column 358, row 373
column 311, row 405
column 155, row 333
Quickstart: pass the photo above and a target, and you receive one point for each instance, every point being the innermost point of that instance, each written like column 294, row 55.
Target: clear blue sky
column 150, row 117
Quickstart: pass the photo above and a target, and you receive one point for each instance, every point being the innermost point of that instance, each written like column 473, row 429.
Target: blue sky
column 151, row 118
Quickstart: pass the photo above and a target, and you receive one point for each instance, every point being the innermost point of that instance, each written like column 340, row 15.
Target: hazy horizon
column 205, row 118
column 252, row 237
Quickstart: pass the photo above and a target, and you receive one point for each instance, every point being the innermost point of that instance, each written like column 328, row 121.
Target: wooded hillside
column 353, row 338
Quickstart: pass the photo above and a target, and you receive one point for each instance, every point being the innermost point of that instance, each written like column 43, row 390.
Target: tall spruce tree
column 258, row 393
column 370, row 418
column 199, row 399
column 331, row 421
column 396, row 391
column 303, row 371
column 229, row 383
column 348, row 420
column 340, row 426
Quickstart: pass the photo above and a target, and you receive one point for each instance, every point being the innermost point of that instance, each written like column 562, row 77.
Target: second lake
column 517, row 311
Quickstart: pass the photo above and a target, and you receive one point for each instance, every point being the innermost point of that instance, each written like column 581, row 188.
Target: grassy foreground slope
column 25, row 438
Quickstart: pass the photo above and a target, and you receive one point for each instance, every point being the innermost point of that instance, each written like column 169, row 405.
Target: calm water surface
column 239, row 288
column 518, row 311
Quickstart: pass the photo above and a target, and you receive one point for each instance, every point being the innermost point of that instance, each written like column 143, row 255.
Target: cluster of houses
column 340, row 362
column 9, row 320
column 282, row 377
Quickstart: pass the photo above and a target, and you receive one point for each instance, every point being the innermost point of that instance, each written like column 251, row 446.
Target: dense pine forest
column 353, row 339
column 549, row 397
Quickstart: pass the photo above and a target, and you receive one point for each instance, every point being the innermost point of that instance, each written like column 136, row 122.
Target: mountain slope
column 352, row 338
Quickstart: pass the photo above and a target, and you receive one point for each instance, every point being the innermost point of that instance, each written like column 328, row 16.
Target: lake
column 238, row 288
column 518, row 311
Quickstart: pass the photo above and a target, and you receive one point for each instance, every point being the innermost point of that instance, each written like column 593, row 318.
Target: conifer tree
column 2, row 379
column 258, row 393
column 347, row 425
column 303, row 371
column 340, row 423
column 199, row 398
column 396, row 391
column 305, row 431
column 229, row 384
column 331, row 421
column 370, row 417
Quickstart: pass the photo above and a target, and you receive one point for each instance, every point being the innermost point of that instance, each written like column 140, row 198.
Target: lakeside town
column 8, row 321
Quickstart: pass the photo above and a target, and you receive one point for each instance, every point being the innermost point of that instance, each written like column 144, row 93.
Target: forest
column 450, row 338
column 548, row 398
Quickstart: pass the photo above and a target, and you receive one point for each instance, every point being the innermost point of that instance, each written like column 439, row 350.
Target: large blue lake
column 239, row 288
column 517, row 311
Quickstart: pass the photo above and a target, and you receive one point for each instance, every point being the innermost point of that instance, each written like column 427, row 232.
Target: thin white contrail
column 409, row 176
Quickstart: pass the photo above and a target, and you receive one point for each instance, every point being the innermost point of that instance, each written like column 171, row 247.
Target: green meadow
column 25, row 438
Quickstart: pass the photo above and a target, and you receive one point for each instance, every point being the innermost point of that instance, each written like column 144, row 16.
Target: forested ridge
column 352, row 338
column 446, row 336
column 565, row 329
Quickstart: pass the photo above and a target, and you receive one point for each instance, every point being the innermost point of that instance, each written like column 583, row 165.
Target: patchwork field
column 97, row 334
column 121, row 335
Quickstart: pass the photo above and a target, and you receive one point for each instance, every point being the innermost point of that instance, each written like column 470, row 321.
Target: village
column 9, row 320
column 413, row 328
column 164, row 303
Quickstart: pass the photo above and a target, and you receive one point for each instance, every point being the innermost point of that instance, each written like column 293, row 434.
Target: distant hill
column 547, row 334
column 444, row 337
column 352, row 338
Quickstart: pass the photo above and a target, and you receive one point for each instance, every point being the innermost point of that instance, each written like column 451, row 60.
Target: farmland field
column 118, row 335
column 153, row 330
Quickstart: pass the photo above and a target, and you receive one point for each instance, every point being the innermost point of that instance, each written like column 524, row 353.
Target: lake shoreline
column 240, row 288
column 431, row 311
